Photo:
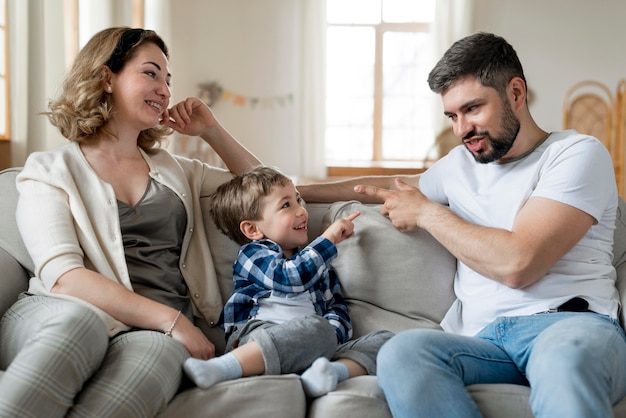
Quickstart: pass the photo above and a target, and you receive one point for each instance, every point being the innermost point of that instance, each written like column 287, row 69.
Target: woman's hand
column 193, row 339
column 194, row 118
column 190, row 117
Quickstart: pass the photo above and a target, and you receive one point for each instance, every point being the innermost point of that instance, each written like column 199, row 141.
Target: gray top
column 152, row 232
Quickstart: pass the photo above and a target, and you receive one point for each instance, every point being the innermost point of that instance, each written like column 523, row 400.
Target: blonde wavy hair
column 82, row 110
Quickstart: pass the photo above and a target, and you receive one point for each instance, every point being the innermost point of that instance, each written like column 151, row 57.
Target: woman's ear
column 251, row 230
column 107, row 79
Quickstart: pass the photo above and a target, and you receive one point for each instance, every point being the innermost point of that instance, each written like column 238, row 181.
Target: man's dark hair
column 487, row 57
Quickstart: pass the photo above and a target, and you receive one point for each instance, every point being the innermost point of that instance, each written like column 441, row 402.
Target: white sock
column 322, row 377
column 206, row 373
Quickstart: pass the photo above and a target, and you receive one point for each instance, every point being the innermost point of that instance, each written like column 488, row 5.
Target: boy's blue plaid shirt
column 262, row 267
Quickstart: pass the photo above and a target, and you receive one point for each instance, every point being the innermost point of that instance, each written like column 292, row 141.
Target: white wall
column 560, row 42
column 253, row 47
column 250, row 47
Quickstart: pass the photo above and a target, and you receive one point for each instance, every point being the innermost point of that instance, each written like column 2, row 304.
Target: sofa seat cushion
column 391, row 280
column 357, row 397
column 362, row 397
column 513, row 401
column 251, row 397
column 502, row 400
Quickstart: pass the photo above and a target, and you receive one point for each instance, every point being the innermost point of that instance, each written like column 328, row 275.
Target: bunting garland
column 211, row 92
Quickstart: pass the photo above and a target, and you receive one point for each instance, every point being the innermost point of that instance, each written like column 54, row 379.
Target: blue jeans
column 575, row 364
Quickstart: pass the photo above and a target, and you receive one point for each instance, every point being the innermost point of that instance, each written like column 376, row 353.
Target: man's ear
column 517, row 87
column 251, row 230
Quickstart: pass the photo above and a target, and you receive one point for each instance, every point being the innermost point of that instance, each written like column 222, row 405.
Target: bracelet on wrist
column 171, row 328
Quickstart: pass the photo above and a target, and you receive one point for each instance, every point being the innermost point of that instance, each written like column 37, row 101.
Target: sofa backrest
column 10, row 239
column 15, row 263
column 392, row 280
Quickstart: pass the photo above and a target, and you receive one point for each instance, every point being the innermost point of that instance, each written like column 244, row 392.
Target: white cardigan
column 80, row 224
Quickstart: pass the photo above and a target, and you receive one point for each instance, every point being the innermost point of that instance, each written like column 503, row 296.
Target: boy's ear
column 251, row 230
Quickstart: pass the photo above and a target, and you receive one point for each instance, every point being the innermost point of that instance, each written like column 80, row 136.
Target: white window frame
column 378, row 164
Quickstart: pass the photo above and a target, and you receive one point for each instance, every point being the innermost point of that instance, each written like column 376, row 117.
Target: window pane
column 350, row 57
column 349, row 93
column 351, row 143
column 3, row 65
column 353, row 11
column 411, row 137
column 408, row 10
column 407, row 113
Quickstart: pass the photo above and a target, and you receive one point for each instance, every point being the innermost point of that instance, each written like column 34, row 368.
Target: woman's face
column 140, row 92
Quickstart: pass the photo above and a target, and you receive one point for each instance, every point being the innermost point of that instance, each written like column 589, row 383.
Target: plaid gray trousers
column 59, row 361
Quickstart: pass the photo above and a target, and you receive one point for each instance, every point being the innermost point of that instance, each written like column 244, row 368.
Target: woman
column 114, row 227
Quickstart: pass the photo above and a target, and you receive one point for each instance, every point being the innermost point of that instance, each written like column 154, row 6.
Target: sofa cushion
column 14, row 280
column 224, row 252
column 10, row 238
column 619, row 235
column 619, row 255
column 392, row 280
column 502, row 400
column 357, row 397
column 250, row 397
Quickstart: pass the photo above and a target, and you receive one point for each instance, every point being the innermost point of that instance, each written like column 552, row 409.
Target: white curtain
column 38, row 63
column 37, row 66
column 453, row 21
column 312, row 88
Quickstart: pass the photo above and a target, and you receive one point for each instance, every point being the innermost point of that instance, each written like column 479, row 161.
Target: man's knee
column 406, row 344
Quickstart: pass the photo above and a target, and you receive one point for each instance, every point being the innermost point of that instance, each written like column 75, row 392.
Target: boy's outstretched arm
column 341, row 229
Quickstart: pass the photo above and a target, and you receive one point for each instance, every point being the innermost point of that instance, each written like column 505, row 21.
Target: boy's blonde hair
column 241, row 199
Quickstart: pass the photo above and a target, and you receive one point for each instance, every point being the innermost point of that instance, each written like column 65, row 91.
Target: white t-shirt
column 281, row 307
column 567, row 167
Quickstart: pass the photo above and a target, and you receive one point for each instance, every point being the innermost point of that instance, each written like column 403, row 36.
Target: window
column 378, row 104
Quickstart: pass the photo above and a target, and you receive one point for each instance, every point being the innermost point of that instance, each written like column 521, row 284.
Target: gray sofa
column 391, row 281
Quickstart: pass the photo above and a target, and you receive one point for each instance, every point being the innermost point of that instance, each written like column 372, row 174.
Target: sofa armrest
column 14, row 280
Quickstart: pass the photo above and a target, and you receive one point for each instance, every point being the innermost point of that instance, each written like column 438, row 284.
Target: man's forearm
column 343, row 190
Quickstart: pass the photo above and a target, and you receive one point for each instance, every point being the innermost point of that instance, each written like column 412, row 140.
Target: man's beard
column 499, row 145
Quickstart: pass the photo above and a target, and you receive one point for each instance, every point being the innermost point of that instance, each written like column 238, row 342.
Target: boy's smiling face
column 284, row 218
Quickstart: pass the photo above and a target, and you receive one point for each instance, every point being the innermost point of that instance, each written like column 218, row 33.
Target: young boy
column 286, row 313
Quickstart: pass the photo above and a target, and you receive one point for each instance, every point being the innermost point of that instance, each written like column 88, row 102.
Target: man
column 530, row 217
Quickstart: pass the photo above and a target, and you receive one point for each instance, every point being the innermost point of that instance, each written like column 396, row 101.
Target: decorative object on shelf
column 212, row 92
